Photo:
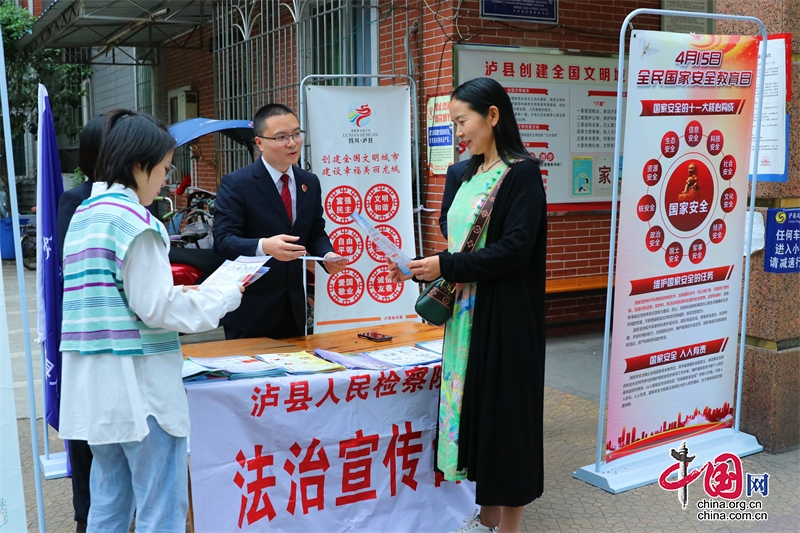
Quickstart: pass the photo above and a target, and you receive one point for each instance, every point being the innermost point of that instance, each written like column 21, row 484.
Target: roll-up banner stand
column 360, row 148
column 669, row 367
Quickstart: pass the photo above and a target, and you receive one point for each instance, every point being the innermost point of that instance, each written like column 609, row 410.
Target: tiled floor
column 571, row 408
column 567, row 504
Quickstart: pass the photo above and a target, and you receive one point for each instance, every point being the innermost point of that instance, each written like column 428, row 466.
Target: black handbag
column 435, row 303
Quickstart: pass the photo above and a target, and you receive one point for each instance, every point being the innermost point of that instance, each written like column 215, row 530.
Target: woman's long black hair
column 480, row 94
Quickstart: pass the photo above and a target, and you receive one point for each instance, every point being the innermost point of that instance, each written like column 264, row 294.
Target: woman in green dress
column 492, row 393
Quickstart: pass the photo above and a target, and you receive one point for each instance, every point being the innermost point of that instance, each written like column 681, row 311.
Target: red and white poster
column 361, row 151
column 348, row 451
column 682, row 218
column 566, row 110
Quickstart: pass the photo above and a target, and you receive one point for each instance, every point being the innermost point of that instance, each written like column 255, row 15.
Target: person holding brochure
column 273, row 207
column 121, row 368
column 492, row 392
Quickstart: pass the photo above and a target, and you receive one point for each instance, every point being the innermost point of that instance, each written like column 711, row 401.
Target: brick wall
column 577, row 245
column 195, row 68
column 577, row 242
column 37, row 6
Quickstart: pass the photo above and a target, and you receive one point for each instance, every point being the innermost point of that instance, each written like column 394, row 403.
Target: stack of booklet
column 433, row 346
column 300, row 363
column 321, row 361
column 231, row 367
column 354, row 361
column 404, row 356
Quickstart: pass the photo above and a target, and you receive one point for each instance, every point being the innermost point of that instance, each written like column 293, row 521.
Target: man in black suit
column 274, row 208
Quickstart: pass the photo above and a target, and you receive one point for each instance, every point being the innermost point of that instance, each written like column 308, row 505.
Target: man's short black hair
column 269, row 110
column 130, row 139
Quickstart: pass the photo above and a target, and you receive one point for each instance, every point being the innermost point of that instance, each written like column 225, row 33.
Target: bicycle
column 28, row 245
column 192, row 224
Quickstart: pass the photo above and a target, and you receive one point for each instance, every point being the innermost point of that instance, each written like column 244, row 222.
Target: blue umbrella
column 241, row 131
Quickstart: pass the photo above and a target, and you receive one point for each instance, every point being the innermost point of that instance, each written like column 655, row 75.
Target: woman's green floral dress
column 468, row 201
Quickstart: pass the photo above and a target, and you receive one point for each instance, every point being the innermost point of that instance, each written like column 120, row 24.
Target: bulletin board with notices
column 566, row 109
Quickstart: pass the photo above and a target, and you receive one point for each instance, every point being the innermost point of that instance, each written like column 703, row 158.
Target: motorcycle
column 191, row 255
column 190, row 260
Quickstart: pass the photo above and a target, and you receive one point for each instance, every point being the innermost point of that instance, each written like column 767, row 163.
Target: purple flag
column 49, row 283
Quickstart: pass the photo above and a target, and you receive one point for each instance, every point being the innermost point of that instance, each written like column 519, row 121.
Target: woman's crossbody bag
column 435, row 303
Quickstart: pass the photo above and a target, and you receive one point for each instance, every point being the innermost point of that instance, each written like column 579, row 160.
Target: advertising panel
column 439, row 128
column 682, row 217
column 361, row 151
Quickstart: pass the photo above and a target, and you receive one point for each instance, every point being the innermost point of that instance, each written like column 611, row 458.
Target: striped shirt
column 97, row 318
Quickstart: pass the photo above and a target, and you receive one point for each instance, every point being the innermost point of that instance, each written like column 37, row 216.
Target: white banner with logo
column 348, row 451
column 682, row 215
column 361, row 150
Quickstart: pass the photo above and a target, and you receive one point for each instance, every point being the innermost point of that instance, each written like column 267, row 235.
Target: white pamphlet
column 405, row 356
column 334, row 259
column 383, row 243
column 243, row 271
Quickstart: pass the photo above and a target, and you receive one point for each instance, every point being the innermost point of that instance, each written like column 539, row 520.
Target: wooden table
column 237, row 347
column 402, row 333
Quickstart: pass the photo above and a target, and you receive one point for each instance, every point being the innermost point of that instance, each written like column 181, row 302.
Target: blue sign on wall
column 440, row 136
column 782, row 241
column 530, row 10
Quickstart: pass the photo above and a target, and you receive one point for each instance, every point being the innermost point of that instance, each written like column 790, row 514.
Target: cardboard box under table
column 344, row 451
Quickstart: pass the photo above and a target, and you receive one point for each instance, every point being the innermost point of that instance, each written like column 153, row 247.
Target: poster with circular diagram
column 679, row 262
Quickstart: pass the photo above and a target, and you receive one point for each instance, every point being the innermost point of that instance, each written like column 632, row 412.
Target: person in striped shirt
column 121, row 364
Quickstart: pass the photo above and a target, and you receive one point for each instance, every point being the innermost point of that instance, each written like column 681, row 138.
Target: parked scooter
column 191, row 255
column 190, row 262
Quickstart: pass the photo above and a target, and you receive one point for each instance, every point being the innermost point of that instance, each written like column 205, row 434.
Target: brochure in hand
column 334, row 259
column 243, row 271
column 231, row 367
column 383, row 243
column 354, row 361
column 300, row 363
column 433, row 346
column 405, row 356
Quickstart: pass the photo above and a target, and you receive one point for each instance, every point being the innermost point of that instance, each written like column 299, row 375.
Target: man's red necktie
column 286, row 196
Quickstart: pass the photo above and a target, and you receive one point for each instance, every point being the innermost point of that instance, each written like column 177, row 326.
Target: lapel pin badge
column 304, row 187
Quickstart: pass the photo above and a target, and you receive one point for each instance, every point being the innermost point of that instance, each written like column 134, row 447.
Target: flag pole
column 26, row 332
column 49, row 188
column 46, row 433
